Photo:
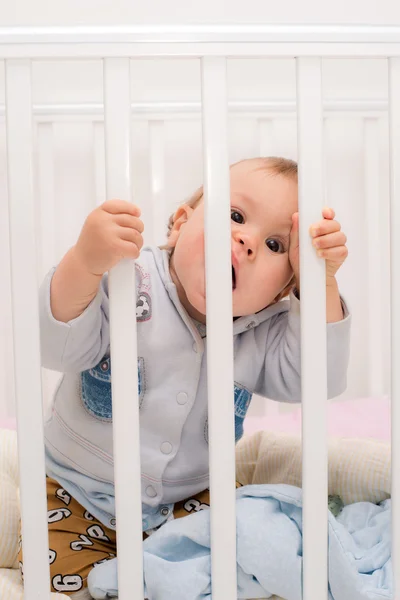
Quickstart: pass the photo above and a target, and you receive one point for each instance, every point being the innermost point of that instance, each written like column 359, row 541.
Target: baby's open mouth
column 233, row 278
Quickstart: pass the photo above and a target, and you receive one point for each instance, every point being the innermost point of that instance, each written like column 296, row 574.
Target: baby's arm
column 74, row 298
column 72, row 288
column 330, row 243
column 280, row 377
column 110, row 233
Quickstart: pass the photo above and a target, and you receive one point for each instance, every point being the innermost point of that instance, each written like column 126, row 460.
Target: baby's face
column 262, row 205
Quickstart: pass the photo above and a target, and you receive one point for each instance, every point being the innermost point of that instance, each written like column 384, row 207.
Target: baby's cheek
column 285, row 267
column 281, row 277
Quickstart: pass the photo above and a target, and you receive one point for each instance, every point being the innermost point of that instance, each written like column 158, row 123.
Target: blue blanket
column 269, row 552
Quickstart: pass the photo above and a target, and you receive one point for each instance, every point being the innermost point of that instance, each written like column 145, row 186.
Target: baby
column 172, row 353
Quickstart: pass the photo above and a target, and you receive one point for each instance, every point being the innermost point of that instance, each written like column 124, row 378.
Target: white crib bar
column 7, row 383
column 24, row 287
column 266, row 136
column 123, row 343
column 374, row 257
column 313, row 333
column 394, row 122
column 219, row 329
column 99, row 163
column 157, row 181
column 45, row 140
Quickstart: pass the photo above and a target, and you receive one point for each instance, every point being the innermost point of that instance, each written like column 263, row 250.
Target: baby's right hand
column 111, row 232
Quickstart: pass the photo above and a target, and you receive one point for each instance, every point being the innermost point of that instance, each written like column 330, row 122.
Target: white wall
column 166, row 164
column 116, row 12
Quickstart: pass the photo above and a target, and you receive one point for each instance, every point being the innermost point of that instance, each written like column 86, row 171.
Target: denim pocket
column 242, row 401
column 96, row 388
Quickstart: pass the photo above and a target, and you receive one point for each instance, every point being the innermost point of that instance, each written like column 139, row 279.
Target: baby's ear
column 180, row 218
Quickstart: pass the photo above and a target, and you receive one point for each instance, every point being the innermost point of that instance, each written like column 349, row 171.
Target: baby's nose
column 247, row 244
column 247, row 240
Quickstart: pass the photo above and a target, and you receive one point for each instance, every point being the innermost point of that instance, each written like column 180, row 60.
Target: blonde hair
column 274, row 165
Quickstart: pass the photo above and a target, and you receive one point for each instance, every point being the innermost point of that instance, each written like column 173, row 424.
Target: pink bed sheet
column 358, row 418
column 8, row 423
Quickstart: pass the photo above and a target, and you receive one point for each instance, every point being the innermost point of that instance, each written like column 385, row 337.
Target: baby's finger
column 130, row 235
column 129, row 249
column 116, row 207
column 294, row 232
column 125, row 220
column 328, row 213
column 331, row 240
column 337, row 254
column 324, row 228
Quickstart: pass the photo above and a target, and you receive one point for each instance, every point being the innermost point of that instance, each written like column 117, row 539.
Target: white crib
column 118, row 48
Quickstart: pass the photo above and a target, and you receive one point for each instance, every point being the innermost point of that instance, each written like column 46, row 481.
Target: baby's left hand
column 328, row 240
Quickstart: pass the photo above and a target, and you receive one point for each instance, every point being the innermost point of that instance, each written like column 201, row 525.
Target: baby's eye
column 274, row 245
column 237, row 217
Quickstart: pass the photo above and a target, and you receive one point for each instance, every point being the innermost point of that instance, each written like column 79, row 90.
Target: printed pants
column 78, row 542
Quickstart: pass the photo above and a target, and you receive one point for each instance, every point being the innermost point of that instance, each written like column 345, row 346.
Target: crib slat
column 125, row 403
column 157, row 179
column 48, row 255
column 219, row 328
column 313, row 332
column 266, row 136
column 394, row 123
column 24, row 286
column 99, row 163
column 374, row 258
column 7, row 383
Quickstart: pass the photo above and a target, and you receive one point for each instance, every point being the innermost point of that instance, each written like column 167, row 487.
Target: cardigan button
column 166, row 448
column 182, row 398
column 150, row 491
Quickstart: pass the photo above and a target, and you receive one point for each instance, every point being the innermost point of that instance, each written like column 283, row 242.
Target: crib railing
column 212, row 45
